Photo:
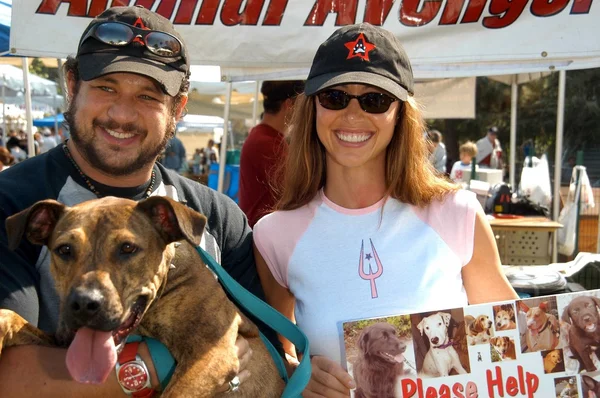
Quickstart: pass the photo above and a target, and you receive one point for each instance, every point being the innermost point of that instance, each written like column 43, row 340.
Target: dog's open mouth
column 132, row 321
column 92, row 354
column 590, row 327
column 392, row 358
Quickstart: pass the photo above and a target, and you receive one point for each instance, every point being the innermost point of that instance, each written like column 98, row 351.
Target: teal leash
column 272, row 318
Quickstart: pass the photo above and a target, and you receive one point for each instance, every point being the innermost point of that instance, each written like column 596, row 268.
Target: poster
column 537, row 347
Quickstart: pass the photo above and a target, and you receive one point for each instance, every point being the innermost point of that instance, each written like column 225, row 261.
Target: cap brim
column 319, row 83
column 92, row 66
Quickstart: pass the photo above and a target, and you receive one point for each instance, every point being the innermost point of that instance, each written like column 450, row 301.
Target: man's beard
column 85, row 145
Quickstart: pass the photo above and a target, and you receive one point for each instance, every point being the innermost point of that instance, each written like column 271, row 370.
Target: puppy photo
column 553, row 361
column 440, row 343
column 590, row 387
column 566, row 387
column 504, row 347
column 504, row 318
column 479, row 329
column 584, row 333
column 380, row 361
column 542, row 329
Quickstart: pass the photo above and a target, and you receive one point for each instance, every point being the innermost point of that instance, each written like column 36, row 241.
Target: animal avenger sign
column 409, row 12
column 439, row 36
column 537, row 348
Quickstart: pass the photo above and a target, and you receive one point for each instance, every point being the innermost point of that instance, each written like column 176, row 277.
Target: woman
column 364, row 227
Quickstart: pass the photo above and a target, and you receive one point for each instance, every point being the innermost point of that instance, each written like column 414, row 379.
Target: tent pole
column 55, row 116
column 30, row 146
column 562, row 79
column 514, row 97
column 4, row 131
column 223, row 154
column 62, row 82
column 255, row 104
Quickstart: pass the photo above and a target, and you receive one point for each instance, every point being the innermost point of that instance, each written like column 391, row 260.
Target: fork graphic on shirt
column 372, row 274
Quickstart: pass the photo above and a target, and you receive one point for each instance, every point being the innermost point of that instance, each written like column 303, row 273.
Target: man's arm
column 28, row 371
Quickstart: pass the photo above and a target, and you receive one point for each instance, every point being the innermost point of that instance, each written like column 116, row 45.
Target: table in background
column 524, row 240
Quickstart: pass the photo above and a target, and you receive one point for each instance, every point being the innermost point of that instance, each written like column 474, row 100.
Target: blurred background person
column 6, row 159
column 174, row 158
column 466, row 152
column 211, row 153
column 438, row 151
column 265, row 149
column 489, row 150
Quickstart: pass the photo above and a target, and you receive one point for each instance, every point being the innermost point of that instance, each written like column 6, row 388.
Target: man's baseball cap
column 362, row 53
column 98, row 59
column 493, row 130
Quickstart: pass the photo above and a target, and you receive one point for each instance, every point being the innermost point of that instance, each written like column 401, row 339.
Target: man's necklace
column 91, row 186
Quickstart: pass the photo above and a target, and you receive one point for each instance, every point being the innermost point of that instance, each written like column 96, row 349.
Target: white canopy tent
column 277, row 39
column 19, row 87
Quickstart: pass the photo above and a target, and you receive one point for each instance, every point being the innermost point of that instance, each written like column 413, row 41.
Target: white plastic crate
column 523, row 247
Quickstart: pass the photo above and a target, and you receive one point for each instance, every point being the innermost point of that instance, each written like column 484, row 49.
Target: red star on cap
column 359, row 48
column 139, row 24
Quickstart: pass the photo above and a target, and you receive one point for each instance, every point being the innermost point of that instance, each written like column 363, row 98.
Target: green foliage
column 37, row 67
column 536, row 115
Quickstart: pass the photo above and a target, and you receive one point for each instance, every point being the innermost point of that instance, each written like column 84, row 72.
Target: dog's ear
column 522, row 306
column 36, row 223
column 589, row 382
column 420, row 326
column 565, row 316
column 363, row 341
column 446, row 317
column 544, row 306
column 173, row 220
column 511, row 311
column 596, row 301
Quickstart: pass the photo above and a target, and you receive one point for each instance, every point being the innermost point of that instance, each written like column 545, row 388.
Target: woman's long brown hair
column 410, row 177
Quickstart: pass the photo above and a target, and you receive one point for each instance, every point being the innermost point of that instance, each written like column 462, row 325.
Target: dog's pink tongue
column 91, row 356
column 399, row 358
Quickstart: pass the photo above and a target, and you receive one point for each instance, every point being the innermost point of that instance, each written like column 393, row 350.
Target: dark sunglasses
column 120, row 34
column 369, row 102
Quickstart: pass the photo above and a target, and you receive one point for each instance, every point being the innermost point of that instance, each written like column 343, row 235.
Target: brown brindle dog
column 111, row 261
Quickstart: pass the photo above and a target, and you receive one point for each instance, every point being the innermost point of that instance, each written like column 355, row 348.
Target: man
column 489, row 151
column 125, row 101
column 265, row 148
column 174, row 154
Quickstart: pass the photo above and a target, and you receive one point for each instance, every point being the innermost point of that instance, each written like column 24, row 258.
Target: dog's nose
column 435, row 340
column 84, row 304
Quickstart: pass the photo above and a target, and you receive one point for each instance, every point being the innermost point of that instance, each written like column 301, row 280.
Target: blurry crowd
column 175, row 158
column 15, row 150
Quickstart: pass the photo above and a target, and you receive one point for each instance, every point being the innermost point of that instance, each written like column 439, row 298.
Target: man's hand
column 328, row 379
column 244, row 353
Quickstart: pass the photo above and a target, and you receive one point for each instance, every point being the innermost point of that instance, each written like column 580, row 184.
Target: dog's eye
column 63, row 251
column 128, row 248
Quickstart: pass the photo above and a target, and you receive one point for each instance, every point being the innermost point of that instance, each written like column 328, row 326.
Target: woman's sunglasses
column 369, row 102
column 119, row 34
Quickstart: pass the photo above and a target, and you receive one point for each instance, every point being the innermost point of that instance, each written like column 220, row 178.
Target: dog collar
column 538, row 331
column 448, row 344
column 132, row 373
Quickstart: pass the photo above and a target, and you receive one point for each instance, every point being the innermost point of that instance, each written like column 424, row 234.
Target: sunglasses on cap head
column 369, row 102
column 119, row 34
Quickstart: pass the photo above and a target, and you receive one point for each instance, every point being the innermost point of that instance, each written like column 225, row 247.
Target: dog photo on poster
column 538, row 347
